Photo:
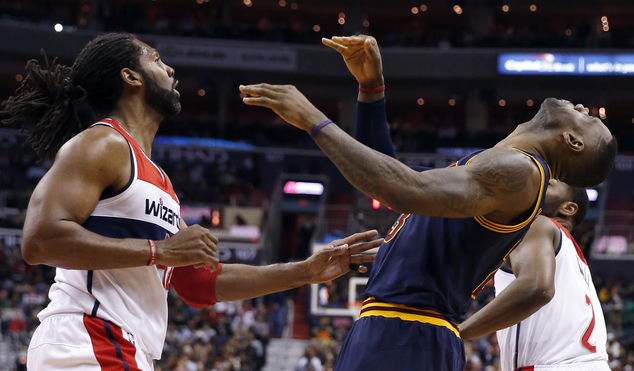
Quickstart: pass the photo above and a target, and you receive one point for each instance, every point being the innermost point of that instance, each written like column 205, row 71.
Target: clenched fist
column 192, row 245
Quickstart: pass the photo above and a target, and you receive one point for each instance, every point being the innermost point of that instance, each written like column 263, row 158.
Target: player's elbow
column 36, row 244
column 541, row 293
column 33, row 250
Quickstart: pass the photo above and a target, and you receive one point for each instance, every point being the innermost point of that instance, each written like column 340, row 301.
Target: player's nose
column 170, row 71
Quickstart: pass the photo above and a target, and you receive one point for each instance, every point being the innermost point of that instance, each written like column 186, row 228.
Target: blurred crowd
column 238, row 22
column 226, row 337
column 19, row 174
column 197, row 182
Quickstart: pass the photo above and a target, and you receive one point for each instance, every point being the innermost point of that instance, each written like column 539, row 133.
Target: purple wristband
column 318, row 128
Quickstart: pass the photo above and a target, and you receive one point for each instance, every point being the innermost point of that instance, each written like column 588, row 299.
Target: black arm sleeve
column 372, row 128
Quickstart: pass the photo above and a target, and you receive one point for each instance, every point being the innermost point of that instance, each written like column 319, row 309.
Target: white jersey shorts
column 78, row 342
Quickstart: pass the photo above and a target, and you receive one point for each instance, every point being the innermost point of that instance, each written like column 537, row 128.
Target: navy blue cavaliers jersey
column 442, row 263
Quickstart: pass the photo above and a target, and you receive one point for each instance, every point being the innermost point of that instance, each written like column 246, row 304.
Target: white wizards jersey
column 569, row 330
column 134, row 299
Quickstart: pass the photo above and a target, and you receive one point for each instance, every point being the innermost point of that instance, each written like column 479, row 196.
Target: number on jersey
column 588, row 333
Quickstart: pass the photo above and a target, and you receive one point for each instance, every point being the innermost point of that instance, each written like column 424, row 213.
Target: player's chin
column 173, row 110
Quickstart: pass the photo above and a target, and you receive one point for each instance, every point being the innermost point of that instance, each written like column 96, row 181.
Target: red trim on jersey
column 526, row 368
column 583, row 259
column 197, row 287
column 111, row 349
column 146, row 169
column 167, row 276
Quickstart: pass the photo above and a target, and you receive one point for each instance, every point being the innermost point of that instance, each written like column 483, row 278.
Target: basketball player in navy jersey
column 108, row 218
column 457, row 225
column 533, row 262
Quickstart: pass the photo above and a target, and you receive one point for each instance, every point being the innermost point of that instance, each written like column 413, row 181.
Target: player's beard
column 164, row 101
column 550, row 209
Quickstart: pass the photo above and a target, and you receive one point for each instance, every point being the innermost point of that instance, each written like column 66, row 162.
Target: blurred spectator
column 310, row 361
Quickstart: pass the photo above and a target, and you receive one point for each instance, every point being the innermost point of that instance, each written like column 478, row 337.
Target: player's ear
column 568, row 208
column 573, row 141
column 131, row 78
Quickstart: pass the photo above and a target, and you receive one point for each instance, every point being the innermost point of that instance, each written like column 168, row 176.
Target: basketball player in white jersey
column 108, row 218
column 546, row 312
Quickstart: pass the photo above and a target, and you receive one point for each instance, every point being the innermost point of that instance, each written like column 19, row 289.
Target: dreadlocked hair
column 46, row 101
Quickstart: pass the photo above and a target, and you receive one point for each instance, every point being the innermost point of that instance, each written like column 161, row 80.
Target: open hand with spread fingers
column 362, row 56
column 334, row 261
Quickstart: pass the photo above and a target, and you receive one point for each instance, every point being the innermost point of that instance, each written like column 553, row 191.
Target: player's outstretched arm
column 199, row 287
column 496, row 180
column 240, row 282
column 533, row 263
column 363, row 59
column 94, row 161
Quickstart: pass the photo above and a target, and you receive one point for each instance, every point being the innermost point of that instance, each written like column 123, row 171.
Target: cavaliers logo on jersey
column 396, row 227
